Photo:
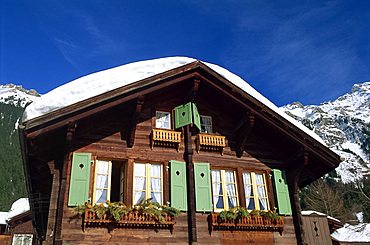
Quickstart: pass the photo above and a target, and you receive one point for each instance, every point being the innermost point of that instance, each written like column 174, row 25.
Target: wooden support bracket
column 134, row 119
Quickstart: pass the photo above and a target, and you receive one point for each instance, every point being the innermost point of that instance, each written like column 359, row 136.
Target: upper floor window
column 255, row 191
column 206, row 124
column 224, row 189
column 148, row 182
column 163, row 120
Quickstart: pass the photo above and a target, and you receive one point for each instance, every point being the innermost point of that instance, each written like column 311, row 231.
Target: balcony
column 133, row 220
column 250, row 223
column 210, row 142
column 165, row 138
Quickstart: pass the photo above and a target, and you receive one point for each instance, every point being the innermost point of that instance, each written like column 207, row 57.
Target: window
column 22, row 239
column 206, row 124
column 163, row 120
column 255, row 191
column 224, row 189
column 148, row 182
column 109, row 181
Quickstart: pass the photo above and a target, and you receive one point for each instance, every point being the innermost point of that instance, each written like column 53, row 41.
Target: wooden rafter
column 134, row 119
column 243, row 131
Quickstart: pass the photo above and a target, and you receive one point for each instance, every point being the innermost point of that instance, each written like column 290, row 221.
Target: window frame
column 254, row 185
column 109, row 174
column 169, row 113
column 147, row 176
column 224, row 188
column 202, row 124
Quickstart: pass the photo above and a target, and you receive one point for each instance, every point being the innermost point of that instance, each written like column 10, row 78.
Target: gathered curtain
column 102, row 175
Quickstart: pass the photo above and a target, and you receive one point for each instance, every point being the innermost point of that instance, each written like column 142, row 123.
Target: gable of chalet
column 253, row 128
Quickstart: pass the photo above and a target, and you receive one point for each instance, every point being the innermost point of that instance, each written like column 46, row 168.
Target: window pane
column 217, row 188
column 229, row 176
column 139, row 169
column 101, row 196
column 155, row 184
column 102, row 167
column 251, row 205
column 261, row 191
column 247, row 178
column 101, row 181
column 219, row 202
column 155, row 170
column 157, row 197
column 232, row 202
column 163, row 120
column 138, row 195
column 216, row 175
column 139, row 183
column 263, row 204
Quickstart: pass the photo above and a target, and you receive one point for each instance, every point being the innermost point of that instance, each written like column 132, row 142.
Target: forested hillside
column 12, row 182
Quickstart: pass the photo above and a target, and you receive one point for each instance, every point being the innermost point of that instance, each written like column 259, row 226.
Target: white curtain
column 156, row 183
column 261, row 192
column 231, row 190
column 217, row 189
column 248, row 189
column 102, row 171
column 139, row 182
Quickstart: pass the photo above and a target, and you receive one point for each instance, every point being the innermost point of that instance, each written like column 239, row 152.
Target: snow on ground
column 3, row 218
column 18, row 207
column 353, row 233
column 107, row 80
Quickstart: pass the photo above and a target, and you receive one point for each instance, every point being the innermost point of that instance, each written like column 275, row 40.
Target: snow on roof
column 107, row 80
column 353, row 233
column 309, row 212
column 3, row 218
column 18, row 207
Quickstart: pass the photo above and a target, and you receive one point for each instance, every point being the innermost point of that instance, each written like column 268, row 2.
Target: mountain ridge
column 344, row 125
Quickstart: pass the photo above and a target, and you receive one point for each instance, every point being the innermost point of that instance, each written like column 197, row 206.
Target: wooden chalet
column 188, row 138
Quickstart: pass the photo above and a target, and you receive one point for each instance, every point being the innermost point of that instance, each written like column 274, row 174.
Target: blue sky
column 307, row 51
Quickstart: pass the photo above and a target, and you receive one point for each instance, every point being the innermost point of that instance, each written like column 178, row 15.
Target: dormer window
column 206, row 124
column 163, row 120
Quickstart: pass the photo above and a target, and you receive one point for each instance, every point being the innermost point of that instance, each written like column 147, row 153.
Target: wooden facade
column 121, row 127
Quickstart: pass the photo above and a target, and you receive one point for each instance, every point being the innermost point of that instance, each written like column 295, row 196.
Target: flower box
column 250, row 223
column 132, row 219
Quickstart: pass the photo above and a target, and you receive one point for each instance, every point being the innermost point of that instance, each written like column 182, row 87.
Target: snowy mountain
column 344, row 125
column 16, row 95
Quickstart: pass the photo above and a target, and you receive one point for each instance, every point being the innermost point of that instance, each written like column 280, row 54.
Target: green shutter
column 80, row 178
column 196, row 116
column 183, row 115
column 281, row 192
column 203, row 192
column 178, row 185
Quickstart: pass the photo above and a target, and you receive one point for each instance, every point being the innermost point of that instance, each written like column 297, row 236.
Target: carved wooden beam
column 243, row 132
column 193, row 91
column 134, row 119
column 71, row 129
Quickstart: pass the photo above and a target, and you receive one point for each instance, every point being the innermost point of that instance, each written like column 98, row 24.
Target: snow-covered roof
column 353, row 233
column 3, row 218
column 18, row 207
column 310, row 212
column 107, row 80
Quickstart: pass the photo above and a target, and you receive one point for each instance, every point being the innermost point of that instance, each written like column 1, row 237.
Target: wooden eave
column 59, row 118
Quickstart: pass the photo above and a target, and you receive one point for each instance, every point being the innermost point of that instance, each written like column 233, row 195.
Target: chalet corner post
column 51, row 226
column 293, row 186
column 188, row 156
column 71, row 127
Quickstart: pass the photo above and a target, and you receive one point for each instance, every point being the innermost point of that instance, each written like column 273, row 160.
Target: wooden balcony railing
column 165, row 138
column 133, row 219
column 211, row 142
column 250, row 223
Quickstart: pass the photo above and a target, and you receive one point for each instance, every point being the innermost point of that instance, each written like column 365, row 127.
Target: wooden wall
column 104, row 137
